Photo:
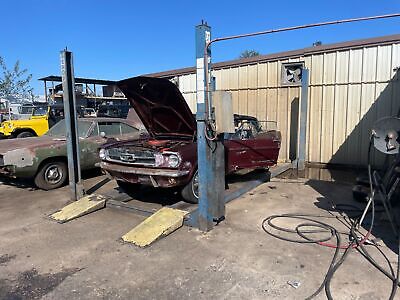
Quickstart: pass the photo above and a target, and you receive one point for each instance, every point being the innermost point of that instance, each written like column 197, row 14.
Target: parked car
column 113, row 111
column 45, row 158
column 25, row 112
column 38, row 124
column 167, row 157
column 20, row 111
column 89, row 113
column 42, row 119
column 3, row 109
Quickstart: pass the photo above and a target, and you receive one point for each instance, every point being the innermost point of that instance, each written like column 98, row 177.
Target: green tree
column 15, row 82
column 249, row 53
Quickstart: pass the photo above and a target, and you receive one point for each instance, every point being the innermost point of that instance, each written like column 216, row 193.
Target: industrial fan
column 292, row 73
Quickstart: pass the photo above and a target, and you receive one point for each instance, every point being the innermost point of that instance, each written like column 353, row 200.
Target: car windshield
column 40, row 111
column 26, row 109
column 58, row 130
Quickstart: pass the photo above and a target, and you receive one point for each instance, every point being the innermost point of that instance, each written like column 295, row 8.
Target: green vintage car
column 44, row 158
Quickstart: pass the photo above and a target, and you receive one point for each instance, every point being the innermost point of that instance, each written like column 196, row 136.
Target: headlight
column 10, row 125
column 167, row 159
column 173, row 161
column 102, row 154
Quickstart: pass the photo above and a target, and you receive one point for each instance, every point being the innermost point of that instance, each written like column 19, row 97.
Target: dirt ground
column 84, row 259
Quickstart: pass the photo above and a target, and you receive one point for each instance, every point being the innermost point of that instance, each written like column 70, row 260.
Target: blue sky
column 119, row 39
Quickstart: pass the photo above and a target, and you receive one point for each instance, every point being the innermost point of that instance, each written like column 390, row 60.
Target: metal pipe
column 207, row 81
column 95, row 95
column 208, row 44
column 52, row 91
column 45, row 90
column 304, row 26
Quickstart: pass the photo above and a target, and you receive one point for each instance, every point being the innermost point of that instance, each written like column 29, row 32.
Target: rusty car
column 167, row 157
column 44, row 158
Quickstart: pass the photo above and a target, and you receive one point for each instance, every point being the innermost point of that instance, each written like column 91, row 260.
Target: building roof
column 287, row 54
column 79, row 80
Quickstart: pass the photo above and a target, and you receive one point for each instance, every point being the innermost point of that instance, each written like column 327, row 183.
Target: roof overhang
column 370, row 42
column 80, row 80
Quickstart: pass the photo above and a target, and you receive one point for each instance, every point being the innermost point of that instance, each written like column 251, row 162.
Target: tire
column 190, row 193
column 52, row 175
column 127, row 186
column 24, row 134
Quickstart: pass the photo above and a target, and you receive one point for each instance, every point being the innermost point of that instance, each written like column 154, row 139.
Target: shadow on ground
column 27, row 183
column 170, row 196
column 19, row 183
column 339, row 196
column 153, row 195
column 32, row 285
column 339, row 175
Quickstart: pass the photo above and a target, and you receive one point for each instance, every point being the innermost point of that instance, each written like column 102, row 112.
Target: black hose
column 332, row 271
column 352, row 222
column 321, row 227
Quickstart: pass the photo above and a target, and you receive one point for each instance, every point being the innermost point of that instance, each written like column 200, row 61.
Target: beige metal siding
column 349, row 90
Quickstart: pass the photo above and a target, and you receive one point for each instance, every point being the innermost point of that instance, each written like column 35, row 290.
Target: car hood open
column 160, row 106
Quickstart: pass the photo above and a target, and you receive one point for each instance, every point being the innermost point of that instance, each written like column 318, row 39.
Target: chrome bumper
column 142, row 171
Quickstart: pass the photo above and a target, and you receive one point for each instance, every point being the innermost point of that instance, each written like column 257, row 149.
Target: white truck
column 15, row 111
column 4, row 107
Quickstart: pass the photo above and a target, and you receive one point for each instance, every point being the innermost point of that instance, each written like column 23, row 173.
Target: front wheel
column 190, row 192
column 52, row 175
column 24, row 134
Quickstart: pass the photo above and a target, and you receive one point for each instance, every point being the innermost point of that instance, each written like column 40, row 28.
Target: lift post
column 71, row 123
column 210, row 153
column 301, row 152
column 300, row 161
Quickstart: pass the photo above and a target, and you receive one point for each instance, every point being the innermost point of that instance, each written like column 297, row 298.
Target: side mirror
column 103, row 134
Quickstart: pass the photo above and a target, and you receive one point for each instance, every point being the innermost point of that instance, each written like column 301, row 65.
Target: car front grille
column 144, row 157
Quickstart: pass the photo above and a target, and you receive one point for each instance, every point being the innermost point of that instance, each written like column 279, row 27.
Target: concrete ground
column 84, row 259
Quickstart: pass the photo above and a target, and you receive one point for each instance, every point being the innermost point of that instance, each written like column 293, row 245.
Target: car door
column 251, row 148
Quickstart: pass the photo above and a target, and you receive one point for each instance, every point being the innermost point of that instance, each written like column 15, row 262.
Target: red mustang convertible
column 167, row 156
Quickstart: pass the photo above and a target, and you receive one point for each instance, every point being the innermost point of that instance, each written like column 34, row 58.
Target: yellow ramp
column 79, row 208
column 162, row 223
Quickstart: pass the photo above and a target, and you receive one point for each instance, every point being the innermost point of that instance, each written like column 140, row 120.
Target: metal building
column 352, row 84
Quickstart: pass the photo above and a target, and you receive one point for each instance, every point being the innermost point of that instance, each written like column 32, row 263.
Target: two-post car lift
column 213, row 197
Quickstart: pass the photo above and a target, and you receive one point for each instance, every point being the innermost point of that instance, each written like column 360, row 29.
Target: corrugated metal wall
column 349, row 90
